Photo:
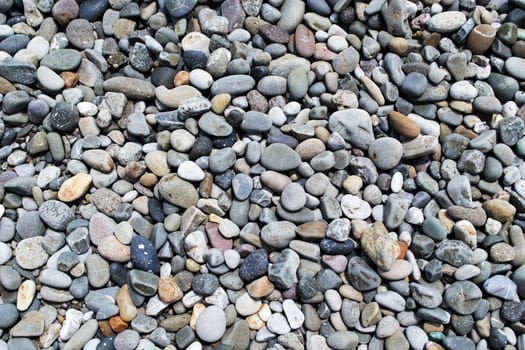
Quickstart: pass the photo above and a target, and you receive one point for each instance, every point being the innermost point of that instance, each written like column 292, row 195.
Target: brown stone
column 499, row 209
column 148, row 180
column 275, row 181
column 323, row 53
column 206, row 185
column 274, row 33
column 98, row 159
column 197, row 310
column 432, row 40
column 117, row 324
column 174, row 323
column 433, row 327
column 105, row 328
column 124, row 27
column 322, row 134
column 6, row 86
column 518, row 49
column 252, row 24
column 403, row 125
column 481, row 38
column 433, row 346
column 254, row 322
column 310, row 148
column 169, row 291
column 314, row 230
column 260, row 288
column 403, row 248
column 463, row 131
column 399, row 46
column 182, row 78
column 304, row 41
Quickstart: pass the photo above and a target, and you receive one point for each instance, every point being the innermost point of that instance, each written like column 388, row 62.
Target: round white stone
column 355, row 208
column 190, row 171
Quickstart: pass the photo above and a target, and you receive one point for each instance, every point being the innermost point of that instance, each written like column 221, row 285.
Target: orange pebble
column 148, row 180
column 117, row 324
column 182, row 78
column 403, row 248
column 70, row 79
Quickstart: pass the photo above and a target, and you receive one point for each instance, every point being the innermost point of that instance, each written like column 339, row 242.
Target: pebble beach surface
column 252, row 174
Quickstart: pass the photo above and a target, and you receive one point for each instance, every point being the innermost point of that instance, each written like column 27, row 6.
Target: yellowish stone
column 264, row 312
column 169, row 291
column 127, row 310
column 214, row 218
column 74, row 187
column 157, row 162
column 254, row 322
column 192, row 265
column 197, row 310
column 220, row 102
column 261, row 287
column 25, row 295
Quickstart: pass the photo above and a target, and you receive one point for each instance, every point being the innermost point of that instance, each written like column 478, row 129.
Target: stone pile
column 248, row 174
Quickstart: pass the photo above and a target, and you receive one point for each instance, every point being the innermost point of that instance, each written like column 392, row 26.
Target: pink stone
column 337, row 263
column 215, row 237
column 100, row 227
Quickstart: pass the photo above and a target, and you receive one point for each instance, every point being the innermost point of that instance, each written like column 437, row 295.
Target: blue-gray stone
column 18, row 71
column 255, row 265
column 414, row 84
column 9, row 314
column 362, row 276
column 179, row 8
column 62, row 59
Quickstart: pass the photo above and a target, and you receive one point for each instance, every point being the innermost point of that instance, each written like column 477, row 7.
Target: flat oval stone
column 62, row 60
column 131, row 87
column 280, row 157
column 447, row 21
column 278, row 234
column 233, row 84
column 30, row 254
column 215, row 125
column 177, row 191
column 212, row 315
column 18, row 71
column 304, row 41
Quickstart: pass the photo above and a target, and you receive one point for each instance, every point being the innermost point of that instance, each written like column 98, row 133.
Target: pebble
column 211, row 315
column 301, row 174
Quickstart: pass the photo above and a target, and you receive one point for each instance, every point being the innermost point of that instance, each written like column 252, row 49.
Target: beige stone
column 25, row 295
column 127, row 310
column 197, row 310
column 74, row 187
column 112, row 249
column 169, row 291
column 260, row 288
column 157, row 162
